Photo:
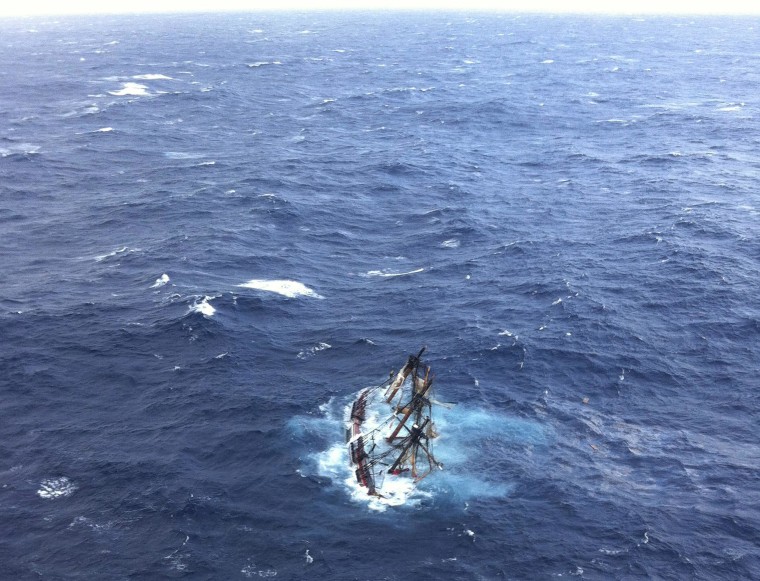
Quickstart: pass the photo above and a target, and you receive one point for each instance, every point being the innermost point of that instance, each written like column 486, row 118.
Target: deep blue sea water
column 565, row 210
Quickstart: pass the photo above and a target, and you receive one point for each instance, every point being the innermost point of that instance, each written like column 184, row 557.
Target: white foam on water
column 313, row 350
column 21, row 148
column 203, row 307
column 334, row 464
column 160, row 281
column 251, row 571
column 105, row 130
column 387, row 274
column 56, row 488
column 83, row 521
column 284, row 287
column 258, row 64
column 117, row 252
column 152, row 77
column 612, row 551
column 183, row 155
column 463, row 433
column 131, row 89
column 451, row 243
column 175, row 557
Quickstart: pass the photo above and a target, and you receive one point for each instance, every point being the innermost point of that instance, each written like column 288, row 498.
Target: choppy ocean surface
column 216, row 229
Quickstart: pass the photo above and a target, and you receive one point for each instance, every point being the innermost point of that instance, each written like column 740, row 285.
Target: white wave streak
column 262, row 64
column 386, row 274
column 117, row 252
column 286, row 288
column 152, row 77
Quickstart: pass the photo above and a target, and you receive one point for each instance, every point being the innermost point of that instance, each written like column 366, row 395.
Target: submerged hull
column 390, row 431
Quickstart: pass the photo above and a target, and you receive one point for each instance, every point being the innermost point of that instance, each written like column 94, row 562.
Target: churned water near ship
column 217, row 229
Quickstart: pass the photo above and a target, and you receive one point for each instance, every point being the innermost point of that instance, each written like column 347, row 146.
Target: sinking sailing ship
column 390, row 430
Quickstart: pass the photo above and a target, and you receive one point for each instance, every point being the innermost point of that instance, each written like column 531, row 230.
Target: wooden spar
column 403, row 374
column 411, row 407
column 409, row 444
column 418, row 388
column 398, row 382
column 431, row 461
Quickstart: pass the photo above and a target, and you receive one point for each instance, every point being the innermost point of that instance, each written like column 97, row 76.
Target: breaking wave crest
column 286, row 288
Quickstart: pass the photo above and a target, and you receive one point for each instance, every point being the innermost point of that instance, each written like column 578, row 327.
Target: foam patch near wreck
column 463, row 431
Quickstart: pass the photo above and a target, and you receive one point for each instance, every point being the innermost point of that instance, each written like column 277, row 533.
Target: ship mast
column 407, row 449
column 412, row 446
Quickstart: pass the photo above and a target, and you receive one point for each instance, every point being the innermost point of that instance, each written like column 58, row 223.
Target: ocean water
column 216, row 229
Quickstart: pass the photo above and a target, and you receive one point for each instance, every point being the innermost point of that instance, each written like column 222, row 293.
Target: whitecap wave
column 286, row 288
column 183, row 155
column 152, row 77
column 313, row 350
column 258, row 64
column 117, row 252
column 388, row 274
column 203, row 307
column 160, row 281
column 56, row 488
column 731, row 107
column 131, row 89
column 19, row 149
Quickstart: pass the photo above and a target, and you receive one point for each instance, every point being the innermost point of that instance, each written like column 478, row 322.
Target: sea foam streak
column 286, row 288
column 152, row 77
column 386, row 274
